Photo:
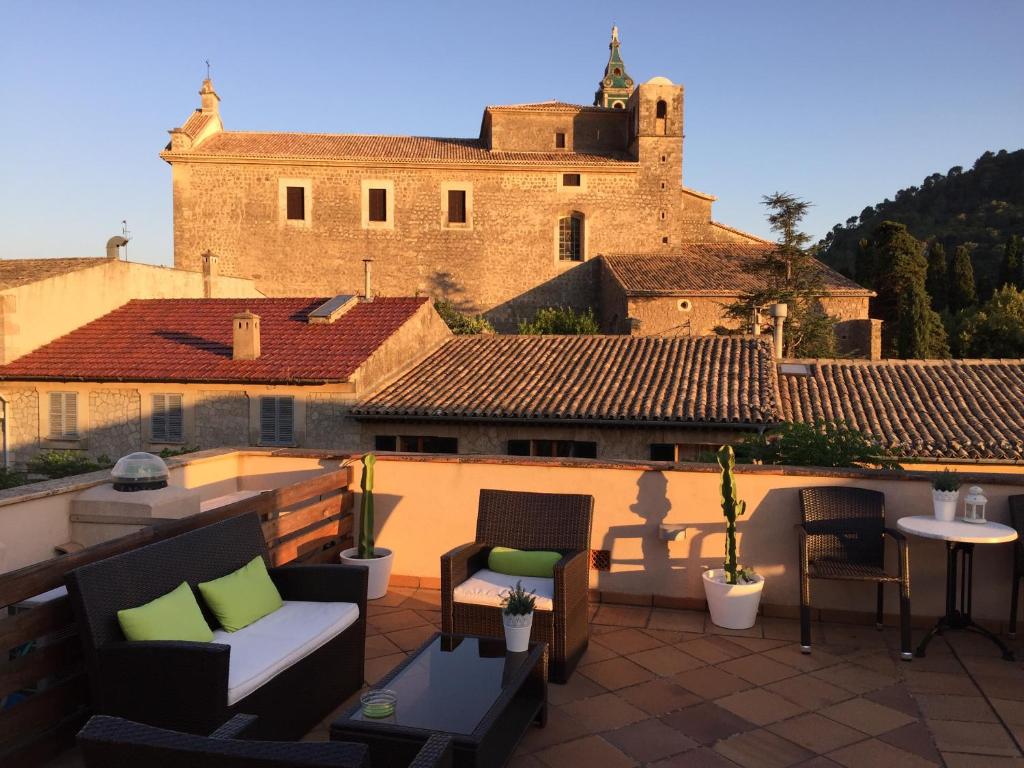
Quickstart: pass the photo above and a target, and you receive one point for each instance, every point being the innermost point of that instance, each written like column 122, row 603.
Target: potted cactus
column 376, row 559
column 733, row 592
column 517, row 617
column 945, row 494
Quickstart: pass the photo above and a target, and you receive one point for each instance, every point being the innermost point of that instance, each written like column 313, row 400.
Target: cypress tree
column 920, row 333
column 962, row 291
column 1011, row 271
column 937, row 283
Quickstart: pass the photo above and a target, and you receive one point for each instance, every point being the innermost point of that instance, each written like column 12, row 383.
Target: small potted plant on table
column 517, row 617
column 733, row 592
column 376, row 559
column 945, row 493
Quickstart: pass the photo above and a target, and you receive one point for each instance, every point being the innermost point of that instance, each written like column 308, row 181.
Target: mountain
column 983, row 205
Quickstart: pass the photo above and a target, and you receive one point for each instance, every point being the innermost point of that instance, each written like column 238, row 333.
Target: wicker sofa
column 550, row 521
column 290, row 668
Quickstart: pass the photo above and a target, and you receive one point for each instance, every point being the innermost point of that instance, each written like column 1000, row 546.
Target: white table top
column 956, row 530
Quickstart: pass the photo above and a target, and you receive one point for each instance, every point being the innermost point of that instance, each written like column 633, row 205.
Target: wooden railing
column 43, row 692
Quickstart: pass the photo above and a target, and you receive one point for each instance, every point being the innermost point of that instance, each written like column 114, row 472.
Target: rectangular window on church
column 559, row 140
column 456, row 206
column 378, row 205
column 570, row 179
column 296, row 197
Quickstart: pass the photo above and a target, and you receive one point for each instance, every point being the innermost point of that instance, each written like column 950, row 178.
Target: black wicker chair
column 842, row 537
column 550, row 521
column 183, row 685
column 110, row 742
column 1017, row 521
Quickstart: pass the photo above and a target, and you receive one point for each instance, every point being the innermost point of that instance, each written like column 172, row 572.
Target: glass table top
column 451, row 684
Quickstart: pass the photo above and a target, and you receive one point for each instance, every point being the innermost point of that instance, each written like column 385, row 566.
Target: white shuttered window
column 166, row 422
column 277, row 420
column 63, row 416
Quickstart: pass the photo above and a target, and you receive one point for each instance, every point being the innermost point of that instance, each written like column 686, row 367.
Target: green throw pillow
column 522, row 562
column 242, row 597
column 174, row 616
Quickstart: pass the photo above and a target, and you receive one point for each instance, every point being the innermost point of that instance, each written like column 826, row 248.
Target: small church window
column 296, row 198
column 661, row 110
column 617, row 72
column 559, row 140
column 570, row 179
column 378, row 205
column 456, row 206
column 618, row 105
column 570, row 241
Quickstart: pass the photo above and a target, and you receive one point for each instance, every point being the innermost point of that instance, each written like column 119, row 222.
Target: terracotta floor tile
column 702, row 757
column 914, row 738
column 872, row 752
column 379, row 645
column 808, row 691
column 755, row 644
column 817, row 762
column 791, row 655
column 788, row 629
column 1008, row 687
column 649, row 740
column 1011, row 711
column 433, row 617
column 707, row 723
column 816, row 733
column 666, row 661
column 412, row 638
column 897, row 697
column 393, row 598
column 758, row 670
column 762, row 749
column 853, row 678
column 712, row 651
column 710, row 682
column 754, row 631
column 658, row 697
column 939, row 682
column 588, row 751
column 578, row 687
column 867, row 716
column 956, row 760
column 622, row 615
column 671, row 636
column 860, row 635
column 679, row 621
column 402, row 619
column 976, row 738
column 616, row 673
column 759, row 706
column 375, row 669
column 627, row 641
column 604, row 713
column 560, row 728
column 596, row 652
column 942, row 706
column 525, row 761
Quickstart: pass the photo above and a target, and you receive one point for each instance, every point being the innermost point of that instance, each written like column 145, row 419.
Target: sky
column 840, row 103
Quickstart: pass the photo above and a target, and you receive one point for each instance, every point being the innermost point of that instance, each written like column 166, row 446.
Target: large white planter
column 379, row 566
column 732, row 606
column 944, row 504
column 517, row 631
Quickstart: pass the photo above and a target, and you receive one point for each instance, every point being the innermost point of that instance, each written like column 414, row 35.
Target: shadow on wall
column 577, row 287
column 444, row 285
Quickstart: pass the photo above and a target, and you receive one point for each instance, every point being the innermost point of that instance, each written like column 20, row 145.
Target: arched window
column 570, row 238
column 662, row 110
column 618, row 105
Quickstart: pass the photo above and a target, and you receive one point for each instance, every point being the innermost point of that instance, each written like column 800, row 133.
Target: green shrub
column 168, row 453
column 560, row 320
column 459, row 323
column 54, row 464
column 10, row 478
column 821, row 444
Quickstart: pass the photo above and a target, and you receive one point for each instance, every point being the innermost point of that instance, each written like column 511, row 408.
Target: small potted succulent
column 945, row 493
column 517, row 616
column 733, row 592
column 375, row 559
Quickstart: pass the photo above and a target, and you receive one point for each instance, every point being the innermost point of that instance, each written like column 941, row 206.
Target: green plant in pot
column 945, row 494
column 367, row 555
column 733, row 592
column 517, row 617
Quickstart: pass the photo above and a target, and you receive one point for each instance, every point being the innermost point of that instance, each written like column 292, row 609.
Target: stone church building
column 503, row 223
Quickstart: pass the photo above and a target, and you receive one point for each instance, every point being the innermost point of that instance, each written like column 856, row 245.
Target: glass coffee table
column 469, row 688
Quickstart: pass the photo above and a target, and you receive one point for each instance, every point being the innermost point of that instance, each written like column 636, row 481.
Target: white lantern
column 974, row 505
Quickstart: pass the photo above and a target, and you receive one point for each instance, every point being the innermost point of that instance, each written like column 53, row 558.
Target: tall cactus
column 731, row 508
column 366, row 508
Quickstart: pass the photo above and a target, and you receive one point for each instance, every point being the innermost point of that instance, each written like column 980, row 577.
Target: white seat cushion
column 487, row 587
column 269, row 646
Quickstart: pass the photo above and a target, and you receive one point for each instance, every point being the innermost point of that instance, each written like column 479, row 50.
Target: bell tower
column 616, row 87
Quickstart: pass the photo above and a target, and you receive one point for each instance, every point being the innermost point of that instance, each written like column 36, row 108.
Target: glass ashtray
column 379, row 703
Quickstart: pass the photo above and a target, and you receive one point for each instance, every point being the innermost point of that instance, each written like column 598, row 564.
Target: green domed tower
column 616, row 87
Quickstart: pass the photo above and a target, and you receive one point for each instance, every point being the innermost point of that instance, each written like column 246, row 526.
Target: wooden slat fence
column 43, row 693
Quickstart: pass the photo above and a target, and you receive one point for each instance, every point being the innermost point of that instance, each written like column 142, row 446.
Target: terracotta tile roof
column 339, row 146
column 196, row 122
column 190, row 339
column 950, row 409
column 549, row 106
column 660, row 380
column 715, row 269
column 15, row 272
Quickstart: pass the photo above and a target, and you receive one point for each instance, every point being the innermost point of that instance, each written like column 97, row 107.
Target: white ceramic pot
column 732, row 606
column 944, row 504
column 517, row 631
column 379, row 566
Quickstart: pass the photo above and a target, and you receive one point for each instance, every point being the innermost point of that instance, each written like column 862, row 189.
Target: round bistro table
column 960, row 538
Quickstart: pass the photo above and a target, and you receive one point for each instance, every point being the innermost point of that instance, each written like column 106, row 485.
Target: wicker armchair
column 842, row 537
column 110, row 742
column 549, row 521
column 1017, row 521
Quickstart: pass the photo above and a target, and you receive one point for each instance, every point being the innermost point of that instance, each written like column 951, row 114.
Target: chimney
column 367, row 286
column 246, row 339
column 210, row 99
column 209, row 273
column 778, row 313
column 113, row 246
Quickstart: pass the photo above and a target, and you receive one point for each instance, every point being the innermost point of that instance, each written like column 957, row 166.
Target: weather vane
column 207, row 68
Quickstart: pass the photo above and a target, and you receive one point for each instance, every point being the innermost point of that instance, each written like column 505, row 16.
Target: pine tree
column 920, row 333
column 938, row 275
column 1011, row 270
column 962, row 291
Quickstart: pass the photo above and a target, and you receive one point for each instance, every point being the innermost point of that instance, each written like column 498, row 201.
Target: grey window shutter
column 175, row 419
column 268, row 420
column 70, row 415
column 56, row 415
column 63, row 415
column 158, row 419
column 285, row 420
